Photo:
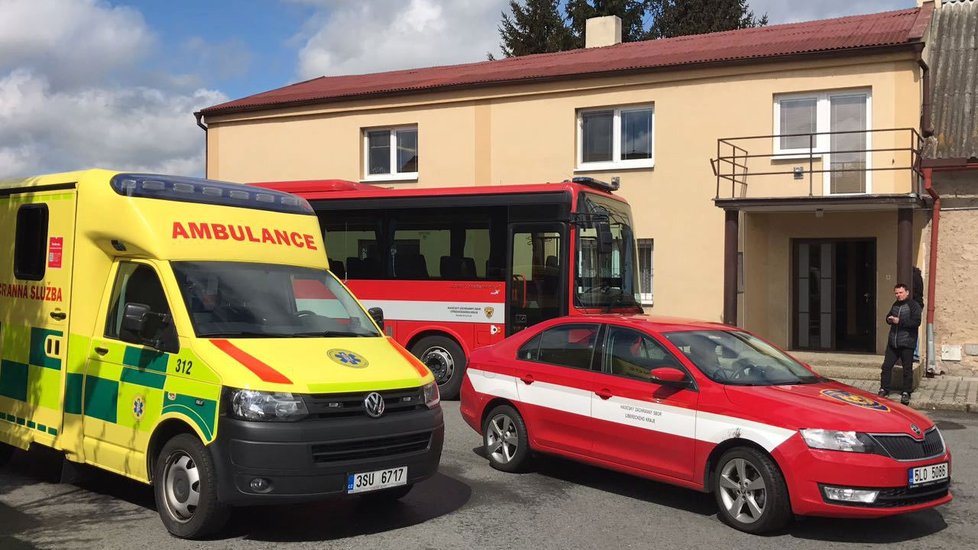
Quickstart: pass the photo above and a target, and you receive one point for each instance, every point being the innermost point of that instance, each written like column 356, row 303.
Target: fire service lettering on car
column 222, row 232
column 677, row 421
column 855, row 399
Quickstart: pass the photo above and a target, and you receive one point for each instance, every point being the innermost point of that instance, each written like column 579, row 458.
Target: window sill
column 409, row 177
column 605, row 166
column 803, row 155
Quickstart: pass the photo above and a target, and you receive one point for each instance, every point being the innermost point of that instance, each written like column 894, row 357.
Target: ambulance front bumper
column 276, row 462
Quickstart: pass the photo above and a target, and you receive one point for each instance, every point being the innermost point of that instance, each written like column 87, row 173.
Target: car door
column 640, row 423
column 555, row 379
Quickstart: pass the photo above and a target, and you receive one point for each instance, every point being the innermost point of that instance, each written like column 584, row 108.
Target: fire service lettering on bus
column 222, row 232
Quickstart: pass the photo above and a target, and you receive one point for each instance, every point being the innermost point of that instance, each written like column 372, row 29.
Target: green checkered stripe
column 20, row 373
column 20, row 421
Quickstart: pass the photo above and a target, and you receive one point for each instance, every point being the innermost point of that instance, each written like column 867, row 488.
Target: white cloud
column 74, row 93
column 779, row 11
column 365, row 37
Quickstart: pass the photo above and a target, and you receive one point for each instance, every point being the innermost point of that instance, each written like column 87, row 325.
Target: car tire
column 6, row 453
column 184, row 473
column 750, row 491
column 446, row 360
column 505, row 439
column 386, row 496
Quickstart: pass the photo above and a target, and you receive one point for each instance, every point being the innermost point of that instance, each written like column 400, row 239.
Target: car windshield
column 251, row 300
column 606, row 273
column 740, row 359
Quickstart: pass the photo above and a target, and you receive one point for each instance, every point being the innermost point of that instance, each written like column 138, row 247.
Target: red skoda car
column 708, row 407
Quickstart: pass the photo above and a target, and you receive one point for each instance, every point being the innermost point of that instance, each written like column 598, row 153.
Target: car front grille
column 331, row 405
column 898, row 497
column 904, row 447
column 371, row 448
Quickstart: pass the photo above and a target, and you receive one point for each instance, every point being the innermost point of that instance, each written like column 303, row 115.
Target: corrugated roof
column 827, row 35
column 953, row 52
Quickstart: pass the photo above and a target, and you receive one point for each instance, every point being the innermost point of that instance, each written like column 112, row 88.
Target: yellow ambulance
column 186, row 333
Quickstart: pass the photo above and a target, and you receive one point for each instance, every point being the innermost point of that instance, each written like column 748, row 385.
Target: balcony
column 846, row 167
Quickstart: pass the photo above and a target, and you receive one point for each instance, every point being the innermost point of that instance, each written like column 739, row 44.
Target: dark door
column 834, row 306
column 537, row 287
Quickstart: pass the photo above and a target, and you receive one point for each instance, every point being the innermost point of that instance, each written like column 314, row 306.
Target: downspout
column 199, row 116
column 932, row 269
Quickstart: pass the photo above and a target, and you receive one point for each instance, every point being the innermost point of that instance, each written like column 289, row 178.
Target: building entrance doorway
column 834, row 305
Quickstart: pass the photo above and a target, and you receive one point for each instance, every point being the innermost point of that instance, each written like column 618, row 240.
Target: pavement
column 940, row 393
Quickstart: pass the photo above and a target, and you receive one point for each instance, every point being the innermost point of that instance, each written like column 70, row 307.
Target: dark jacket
column 904, row 333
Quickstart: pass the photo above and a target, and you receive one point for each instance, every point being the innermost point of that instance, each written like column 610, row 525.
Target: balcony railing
column 844, row 164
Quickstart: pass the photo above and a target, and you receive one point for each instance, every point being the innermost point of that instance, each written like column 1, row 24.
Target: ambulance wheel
column 445, row 359
column 185, row 486
column 6, row 452
column 505, row 439
column 750, row 491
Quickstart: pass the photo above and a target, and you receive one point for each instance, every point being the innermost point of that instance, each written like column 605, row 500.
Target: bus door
column 536, row 275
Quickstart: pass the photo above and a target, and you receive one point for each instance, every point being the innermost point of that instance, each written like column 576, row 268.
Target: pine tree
column 631, row 13
column 534, row 26
column 684, row 17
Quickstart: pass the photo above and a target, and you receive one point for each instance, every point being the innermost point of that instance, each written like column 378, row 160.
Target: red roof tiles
column 828, row 35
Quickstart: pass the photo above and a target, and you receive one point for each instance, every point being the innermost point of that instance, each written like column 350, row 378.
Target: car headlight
column 267, row 406
column 431, row 395
column 831, row 440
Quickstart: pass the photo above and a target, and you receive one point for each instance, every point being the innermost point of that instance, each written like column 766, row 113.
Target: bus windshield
column 607, row 276
column 251, row 300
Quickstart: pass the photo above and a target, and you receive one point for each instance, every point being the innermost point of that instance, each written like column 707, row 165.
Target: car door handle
column 101, row 351
column 604, row 394
column 59, row 315
column 527, row 379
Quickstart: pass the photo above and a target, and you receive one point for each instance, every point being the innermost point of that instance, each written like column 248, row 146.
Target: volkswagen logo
column 374, row 404
column 915, row 429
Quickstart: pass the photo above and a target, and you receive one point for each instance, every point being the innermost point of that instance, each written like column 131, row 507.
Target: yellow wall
column 527, row 133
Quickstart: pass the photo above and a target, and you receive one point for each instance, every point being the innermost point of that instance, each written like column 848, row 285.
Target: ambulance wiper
column 328, row 334
column 248, row 334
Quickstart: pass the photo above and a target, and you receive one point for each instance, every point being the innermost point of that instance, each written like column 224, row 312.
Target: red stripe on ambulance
column 262, row 370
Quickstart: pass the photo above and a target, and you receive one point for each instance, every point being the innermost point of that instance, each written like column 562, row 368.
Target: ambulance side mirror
column 134, row 318
column 377, row 314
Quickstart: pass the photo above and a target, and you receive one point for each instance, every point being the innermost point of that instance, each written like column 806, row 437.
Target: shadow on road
column 901, row 528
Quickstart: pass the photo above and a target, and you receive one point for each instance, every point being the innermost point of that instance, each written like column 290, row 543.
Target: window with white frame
column 615, row 137
column 829, row 125
column 645, row 247
column 390, row 153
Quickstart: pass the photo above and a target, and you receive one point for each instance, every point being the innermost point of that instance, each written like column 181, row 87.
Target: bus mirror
column 377, row 314
column 605, row 237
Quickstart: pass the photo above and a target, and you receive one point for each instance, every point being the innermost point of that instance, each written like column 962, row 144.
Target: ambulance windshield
column 250, row 300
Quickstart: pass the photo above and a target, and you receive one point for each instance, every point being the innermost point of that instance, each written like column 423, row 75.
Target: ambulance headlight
column 431, row 395
column 267, row 406
column 831, row 440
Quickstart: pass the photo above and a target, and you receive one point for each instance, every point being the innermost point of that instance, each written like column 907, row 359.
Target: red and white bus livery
column 455, row 269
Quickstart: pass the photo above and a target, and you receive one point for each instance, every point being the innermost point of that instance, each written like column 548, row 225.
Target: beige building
column 774, row 173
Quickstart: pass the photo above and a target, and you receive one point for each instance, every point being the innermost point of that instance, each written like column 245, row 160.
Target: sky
column 114, row 83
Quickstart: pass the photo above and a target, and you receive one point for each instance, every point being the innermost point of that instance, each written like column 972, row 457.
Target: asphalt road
column 468, row 505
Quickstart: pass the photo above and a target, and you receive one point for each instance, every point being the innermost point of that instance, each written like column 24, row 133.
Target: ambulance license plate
column 927, row 474
column 372, row 481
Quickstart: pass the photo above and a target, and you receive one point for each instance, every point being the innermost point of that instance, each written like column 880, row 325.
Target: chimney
column 602, row 31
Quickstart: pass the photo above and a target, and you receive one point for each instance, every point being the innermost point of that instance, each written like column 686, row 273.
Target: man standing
column 904, row 320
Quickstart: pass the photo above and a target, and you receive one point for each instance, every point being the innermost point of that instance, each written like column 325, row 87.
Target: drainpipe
column 932, row 269
column 199, row 116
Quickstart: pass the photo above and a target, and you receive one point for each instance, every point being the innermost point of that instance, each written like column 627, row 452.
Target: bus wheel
column 445, row 359
column 185, row 486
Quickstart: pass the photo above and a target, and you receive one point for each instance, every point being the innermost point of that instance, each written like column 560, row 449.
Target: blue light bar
column 181, row 189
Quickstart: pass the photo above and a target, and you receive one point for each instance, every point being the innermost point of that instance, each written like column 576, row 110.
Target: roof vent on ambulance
column 204, row 191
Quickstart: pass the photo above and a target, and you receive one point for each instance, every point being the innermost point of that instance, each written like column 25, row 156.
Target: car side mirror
column 377, row 314
column 134, row 319
column 669, row 376
column 138, row 328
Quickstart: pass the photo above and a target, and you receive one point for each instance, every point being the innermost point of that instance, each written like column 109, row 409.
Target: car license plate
column 928, row 474
column 381, row 479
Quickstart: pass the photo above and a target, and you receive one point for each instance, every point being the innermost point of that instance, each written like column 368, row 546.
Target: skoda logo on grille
column 374, row 404
column 915, row 429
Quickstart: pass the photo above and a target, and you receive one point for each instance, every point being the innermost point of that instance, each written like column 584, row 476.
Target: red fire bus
column 455, row 269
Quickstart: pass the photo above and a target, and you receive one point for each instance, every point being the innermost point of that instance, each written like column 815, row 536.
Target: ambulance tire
column 444, row 357
column 505, row 440
column 750, row 491
column 183, row 459
column 6, row 452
